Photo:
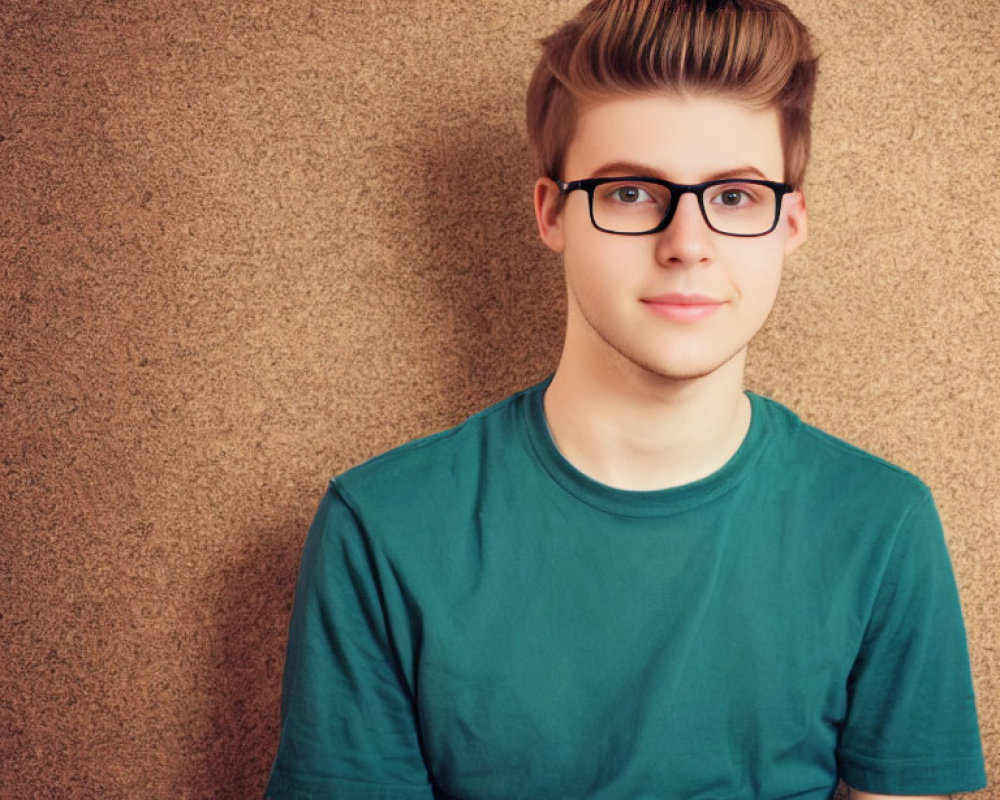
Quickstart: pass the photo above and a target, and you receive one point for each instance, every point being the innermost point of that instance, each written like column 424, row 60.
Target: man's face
column 686, row 301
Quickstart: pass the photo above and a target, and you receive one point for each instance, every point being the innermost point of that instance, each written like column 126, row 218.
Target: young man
column 636, row 580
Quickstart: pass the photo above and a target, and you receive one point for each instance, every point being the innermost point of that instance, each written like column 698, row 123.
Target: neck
column 639, row 431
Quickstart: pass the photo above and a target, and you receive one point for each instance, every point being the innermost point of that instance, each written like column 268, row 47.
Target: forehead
column 685, row 138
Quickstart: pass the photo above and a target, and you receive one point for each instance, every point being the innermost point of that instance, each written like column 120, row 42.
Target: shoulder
column 814, row 458
column 446, row 462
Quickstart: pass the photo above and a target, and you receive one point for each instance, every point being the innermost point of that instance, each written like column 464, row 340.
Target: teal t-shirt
column 475, row 619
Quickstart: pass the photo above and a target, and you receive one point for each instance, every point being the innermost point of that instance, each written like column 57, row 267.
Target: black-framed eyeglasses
column 637, row 205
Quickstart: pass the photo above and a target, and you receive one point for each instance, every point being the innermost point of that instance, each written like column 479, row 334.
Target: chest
column 601, row 668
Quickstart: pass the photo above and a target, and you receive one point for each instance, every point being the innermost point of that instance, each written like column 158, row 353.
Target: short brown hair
column 754, row 50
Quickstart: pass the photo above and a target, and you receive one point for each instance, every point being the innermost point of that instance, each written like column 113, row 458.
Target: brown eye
column 628, row 194
column 735, row 196
column 732, row 197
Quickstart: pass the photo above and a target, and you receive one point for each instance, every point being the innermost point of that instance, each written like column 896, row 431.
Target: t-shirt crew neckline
column 655, row 503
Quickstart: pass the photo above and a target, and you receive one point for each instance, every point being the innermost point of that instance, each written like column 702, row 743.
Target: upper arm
column 911, row 719
column 348, row 718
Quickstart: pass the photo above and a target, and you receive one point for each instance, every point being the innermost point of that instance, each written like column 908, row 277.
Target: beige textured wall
column 246, row 244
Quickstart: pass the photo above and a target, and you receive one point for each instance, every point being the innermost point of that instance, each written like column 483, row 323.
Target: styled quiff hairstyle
column 755, row 51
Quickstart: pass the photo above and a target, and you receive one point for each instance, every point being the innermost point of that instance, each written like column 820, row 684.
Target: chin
column 689, row 367
column 680, row 374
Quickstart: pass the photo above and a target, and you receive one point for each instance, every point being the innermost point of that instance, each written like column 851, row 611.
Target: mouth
column 683, row 306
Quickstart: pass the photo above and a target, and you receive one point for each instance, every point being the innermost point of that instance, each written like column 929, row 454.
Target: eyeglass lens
column 745, row 209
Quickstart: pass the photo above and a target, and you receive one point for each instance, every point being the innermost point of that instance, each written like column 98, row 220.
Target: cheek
column 589, row 258
column 606, row 270
column 758, row 276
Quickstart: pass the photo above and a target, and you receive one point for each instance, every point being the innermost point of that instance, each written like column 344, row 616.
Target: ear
column 548, row 214
column 796, row 220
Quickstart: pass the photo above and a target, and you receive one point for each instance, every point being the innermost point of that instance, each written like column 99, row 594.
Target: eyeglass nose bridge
column 677, row 191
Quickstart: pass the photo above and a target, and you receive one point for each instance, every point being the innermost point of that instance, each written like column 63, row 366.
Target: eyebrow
column 636, row 169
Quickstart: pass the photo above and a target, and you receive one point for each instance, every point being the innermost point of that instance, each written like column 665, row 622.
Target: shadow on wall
column 483, row 273
column 250, row 600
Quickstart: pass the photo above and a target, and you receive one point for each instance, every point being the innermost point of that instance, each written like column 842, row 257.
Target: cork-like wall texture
column 245, row 245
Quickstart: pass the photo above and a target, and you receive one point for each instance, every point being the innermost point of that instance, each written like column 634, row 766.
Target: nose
column 687, row 239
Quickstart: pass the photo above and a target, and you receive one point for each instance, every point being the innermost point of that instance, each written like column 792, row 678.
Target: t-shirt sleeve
column 348, row 723
column 911, row 727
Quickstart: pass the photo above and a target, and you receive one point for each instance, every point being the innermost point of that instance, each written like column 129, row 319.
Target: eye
column 735, row 195
column 629, row 193
column 732, row 197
